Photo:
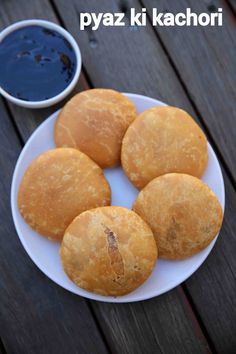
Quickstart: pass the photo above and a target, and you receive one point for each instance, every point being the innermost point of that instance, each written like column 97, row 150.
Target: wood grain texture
column 12, row 11
column 205, row 60
column 37, row 316
column 212, row 53
column 2, row 348
column 34, row 117
column 232, row 3
column 135, row 61
column 153, row 326
column 213, row 287
column 123, row 58
column 26, row 121
column 113, row 59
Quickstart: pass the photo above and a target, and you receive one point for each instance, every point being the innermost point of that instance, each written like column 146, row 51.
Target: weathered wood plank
column 160, row 326
column 33, row 117
column 12, row 12
column 37, row 316
column 121, row 57
column 132, row 66
column 141, row 338
column 2, row 348
column 213, row 287
column 232, row 4
column 205, row 60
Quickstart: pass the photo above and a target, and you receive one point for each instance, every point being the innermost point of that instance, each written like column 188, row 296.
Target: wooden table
column 193, row 68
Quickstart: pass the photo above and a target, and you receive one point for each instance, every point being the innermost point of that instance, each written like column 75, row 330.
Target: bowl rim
column 53, row 26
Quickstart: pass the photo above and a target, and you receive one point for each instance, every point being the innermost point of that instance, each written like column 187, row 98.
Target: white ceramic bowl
column 70, row 39
column 45, row 253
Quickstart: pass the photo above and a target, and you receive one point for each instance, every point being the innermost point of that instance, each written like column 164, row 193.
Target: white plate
column 44, row 253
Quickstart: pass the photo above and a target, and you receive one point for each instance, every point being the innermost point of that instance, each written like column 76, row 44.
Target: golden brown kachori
column 95, row 121
column 183, row 213
column 163, row 140
column 109, row 251
column 59, row 185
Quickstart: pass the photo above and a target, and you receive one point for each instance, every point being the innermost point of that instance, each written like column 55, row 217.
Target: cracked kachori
column 95, row 121
column 59, row 185
column 183, row 213
column 108, row 251
column 163, row 140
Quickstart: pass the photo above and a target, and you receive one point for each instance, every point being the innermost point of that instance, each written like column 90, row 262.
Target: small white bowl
column 52, row 26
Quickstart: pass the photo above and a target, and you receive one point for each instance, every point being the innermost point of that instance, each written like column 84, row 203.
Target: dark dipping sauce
column 36, row 63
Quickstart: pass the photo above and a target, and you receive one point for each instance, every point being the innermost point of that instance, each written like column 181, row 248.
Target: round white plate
column 45, row 253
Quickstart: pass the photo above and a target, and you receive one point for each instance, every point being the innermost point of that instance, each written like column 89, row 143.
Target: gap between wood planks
column 86, row 79
column 231, row 7
column 215, row 147
column 89, row 85
column 184, row 296
column 125, row 8
column 185, row 89
column 196, row 317
column 2, row 347
column 185, row 299
column 22, row 143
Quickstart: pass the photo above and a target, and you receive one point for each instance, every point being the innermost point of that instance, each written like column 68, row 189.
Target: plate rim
column 93, row 296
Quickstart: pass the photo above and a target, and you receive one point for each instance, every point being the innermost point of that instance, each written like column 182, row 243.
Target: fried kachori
column 58, row 186
column 163, row 140
column 95, row 121
column 109, row 251
column 183, row 213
